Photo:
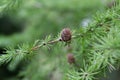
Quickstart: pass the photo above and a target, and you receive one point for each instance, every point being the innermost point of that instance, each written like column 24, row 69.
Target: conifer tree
column 59, row 40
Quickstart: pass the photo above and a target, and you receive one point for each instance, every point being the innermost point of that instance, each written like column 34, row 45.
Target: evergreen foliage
column 36, row 55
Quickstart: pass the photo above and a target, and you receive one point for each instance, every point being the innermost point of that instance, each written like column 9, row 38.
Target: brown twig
column 54, row 41
column 43, row 44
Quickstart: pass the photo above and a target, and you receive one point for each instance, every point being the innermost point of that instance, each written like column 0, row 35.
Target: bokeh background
column 29, row 20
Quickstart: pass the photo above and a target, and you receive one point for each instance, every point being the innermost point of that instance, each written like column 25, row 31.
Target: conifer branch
column 100, row 42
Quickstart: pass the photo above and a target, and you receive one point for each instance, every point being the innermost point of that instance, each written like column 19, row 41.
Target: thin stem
column 43, row 44
column 56, row 41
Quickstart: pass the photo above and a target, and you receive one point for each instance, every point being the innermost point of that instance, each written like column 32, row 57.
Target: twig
column 43, row 44
column 52, row 42
column 56, row 41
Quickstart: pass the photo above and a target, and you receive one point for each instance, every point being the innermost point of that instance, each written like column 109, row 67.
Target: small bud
column 66, row 34
column 71, row 58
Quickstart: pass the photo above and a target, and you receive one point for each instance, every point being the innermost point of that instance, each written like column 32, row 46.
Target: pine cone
column 66, row 34
column 71, row 58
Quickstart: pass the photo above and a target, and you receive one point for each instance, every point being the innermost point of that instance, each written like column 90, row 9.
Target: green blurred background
column 28, row 20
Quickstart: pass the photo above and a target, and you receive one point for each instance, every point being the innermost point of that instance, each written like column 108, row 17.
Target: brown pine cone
column 66, row 34
column 71, row 58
